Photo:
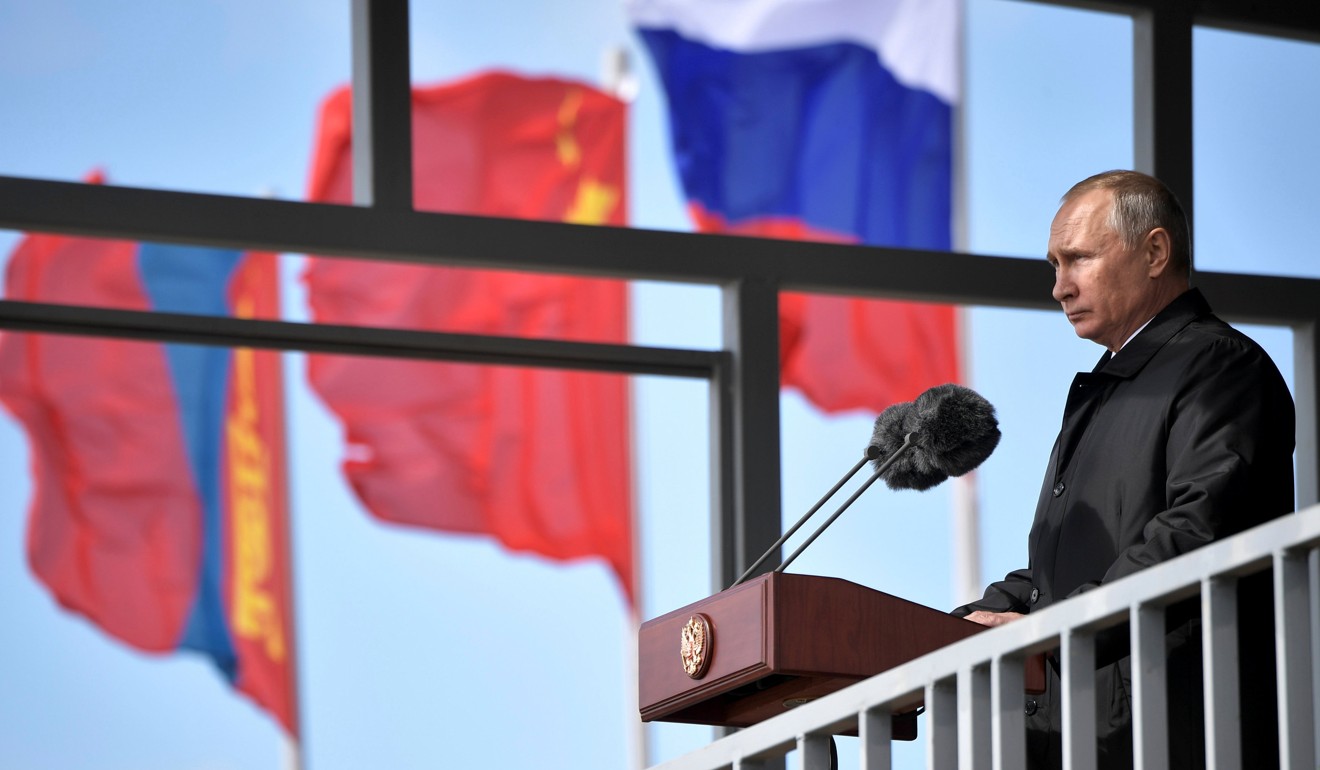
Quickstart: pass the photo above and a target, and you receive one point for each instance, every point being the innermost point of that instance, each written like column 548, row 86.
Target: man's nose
column 1063, row 285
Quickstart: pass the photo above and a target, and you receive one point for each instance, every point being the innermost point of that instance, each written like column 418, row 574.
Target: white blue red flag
column 822, row 120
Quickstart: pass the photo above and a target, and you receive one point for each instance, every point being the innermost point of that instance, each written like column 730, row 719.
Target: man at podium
column 1182, row 434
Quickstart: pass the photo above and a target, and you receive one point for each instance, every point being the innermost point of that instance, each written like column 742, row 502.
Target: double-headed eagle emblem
column 695, row 645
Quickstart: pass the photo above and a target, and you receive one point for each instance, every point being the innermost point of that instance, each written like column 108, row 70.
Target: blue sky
column 420, row 649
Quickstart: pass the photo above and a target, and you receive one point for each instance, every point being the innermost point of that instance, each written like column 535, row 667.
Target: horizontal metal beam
column 359, row 341
column 1296, row 20
column 1261, row 299
column 625, row 253
column 513, row 244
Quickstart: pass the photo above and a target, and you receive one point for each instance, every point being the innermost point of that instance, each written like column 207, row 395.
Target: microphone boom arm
column 907, row 442
column 872, row 453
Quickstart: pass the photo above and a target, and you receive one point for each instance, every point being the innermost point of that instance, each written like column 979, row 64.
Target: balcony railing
column 973, row 690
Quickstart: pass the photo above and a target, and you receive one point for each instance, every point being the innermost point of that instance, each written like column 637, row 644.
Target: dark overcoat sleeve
column 1012, row 594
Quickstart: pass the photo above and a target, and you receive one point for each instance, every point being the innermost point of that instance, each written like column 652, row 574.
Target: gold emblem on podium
column 695, row 645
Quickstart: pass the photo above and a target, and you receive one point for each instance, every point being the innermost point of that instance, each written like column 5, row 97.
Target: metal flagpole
column 965, row 514
column 618, row 79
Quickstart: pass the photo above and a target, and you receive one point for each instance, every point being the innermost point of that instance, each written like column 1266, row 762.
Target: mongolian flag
column 538, row 459
column 826, row 120
column 159, row 508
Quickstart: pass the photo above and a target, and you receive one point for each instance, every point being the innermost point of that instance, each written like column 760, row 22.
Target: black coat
column 1183, row 437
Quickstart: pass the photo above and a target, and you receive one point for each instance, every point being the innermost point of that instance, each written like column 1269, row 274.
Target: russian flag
column 160, row 497
column 822, row 120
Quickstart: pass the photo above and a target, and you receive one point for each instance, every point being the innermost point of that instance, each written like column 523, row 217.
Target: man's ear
column 1157, row 249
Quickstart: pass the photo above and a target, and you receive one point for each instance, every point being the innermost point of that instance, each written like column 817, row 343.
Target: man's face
column 1105, row 289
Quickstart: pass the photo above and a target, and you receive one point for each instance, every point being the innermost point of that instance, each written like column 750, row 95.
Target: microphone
column 953, row 431
column 947, row 431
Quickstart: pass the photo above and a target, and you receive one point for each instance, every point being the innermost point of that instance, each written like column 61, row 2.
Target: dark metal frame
column 751, row 272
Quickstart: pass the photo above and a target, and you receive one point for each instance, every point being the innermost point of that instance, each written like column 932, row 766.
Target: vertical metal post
column 1008, row 739
column 1313, row 608
column 1150, row 689
column 1292, row 626
column 813, row 752
column 974, row 718
column 1162, row 94
column 746, row 432
column 382, row 105
column 942, row 725
column 876, row 733
column 1223, row 707
column 1306, row 378
column 745, row 436
column 1078, row 653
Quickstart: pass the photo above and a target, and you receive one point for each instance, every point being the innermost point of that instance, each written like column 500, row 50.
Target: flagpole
column 965, row 514
column 618, row 79
column 293, row 755
column 637, row 733
column 638, row 738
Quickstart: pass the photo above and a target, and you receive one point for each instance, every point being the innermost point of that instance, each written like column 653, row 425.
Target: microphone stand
column 907, row 442
column 872, row 453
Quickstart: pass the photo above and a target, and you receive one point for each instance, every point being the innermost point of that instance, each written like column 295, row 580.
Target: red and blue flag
column 160, row 498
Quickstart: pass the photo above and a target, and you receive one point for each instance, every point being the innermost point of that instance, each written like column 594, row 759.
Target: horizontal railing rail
column 973, row 689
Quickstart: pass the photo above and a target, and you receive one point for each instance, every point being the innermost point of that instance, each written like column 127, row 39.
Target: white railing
column 973, row 689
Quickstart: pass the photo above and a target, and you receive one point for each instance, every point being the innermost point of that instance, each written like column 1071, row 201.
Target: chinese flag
column 538, row 459
column 160, row 498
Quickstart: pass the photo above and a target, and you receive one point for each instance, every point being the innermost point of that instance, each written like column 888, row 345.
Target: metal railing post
column 1008, row 736
column 974, row 709
column 1150, row 697
column 876, row 729
column 1292, row 626
column 1078, row 693
column 942, row 725
column 1223, row 747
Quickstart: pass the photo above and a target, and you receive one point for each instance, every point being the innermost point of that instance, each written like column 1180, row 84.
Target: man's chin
column 1084, row 331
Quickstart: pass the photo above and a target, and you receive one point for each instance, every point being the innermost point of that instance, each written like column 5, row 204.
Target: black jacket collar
column 1189, row 306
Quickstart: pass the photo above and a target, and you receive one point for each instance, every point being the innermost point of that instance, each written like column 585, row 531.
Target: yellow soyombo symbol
column 255, row 612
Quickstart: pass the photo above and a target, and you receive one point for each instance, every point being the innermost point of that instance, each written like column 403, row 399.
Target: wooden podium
column 777, row 641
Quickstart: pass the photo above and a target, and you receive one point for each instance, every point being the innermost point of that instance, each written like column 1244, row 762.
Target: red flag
column 159, row 505
column 844, row 353
column 539, row 459
column 115, row 523
column 258, row 590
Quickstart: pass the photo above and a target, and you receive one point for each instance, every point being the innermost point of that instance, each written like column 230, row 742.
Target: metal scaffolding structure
column 744, row 375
